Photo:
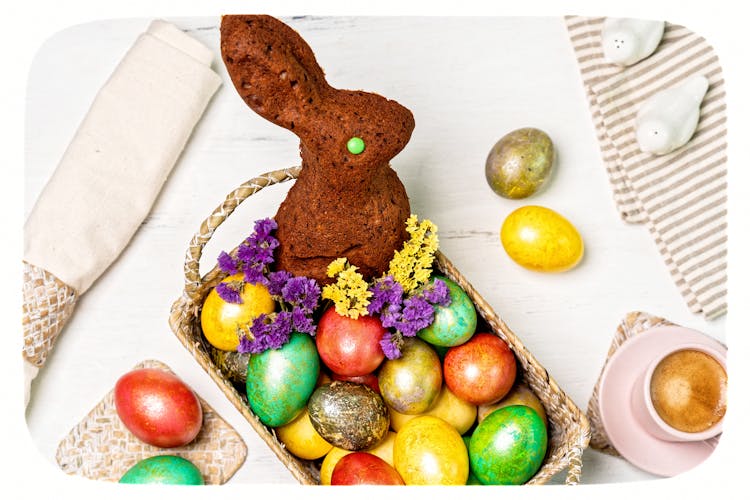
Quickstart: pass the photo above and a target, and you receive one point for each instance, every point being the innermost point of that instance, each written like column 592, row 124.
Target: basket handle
column 212, row 222
column 575, row 457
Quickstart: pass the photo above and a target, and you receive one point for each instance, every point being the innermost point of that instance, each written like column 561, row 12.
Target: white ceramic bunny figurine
column 626, row 41
column 668, row 119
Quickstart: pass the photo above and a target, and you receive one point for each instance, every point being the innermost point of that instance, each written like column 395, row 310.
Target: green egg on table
column 520, row 163
column 540, row 239
column 163, row 469
column 453, row 324
column 280, row 381
column 508, row 446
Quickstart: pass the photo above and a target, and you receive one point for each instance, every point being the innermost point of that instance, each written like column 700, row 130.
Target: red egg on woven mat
column 158, row 407
column 349, row 347
column 364, row 468
column 480, row 371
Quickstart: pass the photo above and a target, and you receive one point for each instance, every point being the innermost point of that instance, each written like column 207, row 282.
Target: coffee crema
column 688, row 390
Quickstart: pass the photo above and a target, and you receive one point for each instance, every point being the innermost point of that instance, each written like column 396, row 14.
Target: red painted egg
column 364, row 468
column 482, row 370
column 158, row 407
column 349, row 347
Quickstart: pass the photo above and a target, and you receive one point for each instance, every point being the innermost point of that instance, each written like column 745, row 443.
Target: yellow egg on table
column 540, row 239
column 301, row 439
column 222, row 322
column 429, row 451
column 457, row 412
column 329, row 462
column 384, row 449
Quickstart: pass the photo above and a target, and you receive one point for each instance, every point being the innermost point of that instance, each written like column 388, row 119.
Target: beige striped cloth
column 681, row 196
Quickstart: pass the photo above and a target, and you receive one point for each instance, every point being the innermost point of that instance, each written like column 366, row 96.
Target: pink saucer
column 637, row 446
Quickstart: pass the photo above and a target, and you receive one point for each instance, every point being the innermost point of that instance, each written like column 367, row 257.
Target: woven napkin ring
column 47, row 305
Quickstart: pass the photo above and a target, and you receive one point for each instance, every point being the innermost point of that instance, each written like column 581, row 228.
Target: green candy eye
column 355, row 145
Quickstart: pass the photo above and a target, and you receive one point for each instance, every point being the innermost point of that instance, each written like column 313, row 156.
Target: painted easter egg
column 348, row 415
column 520, row 394
column 520, row 163
column 411, row 384
column 508, row 446
column 364, row 468
column 347, row 346
column 222, row 321
column 453, row 324
column 158, row 407
column 472, row 479
column 480, row 371
column 301, row 439
column 429, row 451
column 457, row 412
column 540, row 239
column 384, row 450
column 163, row 469
column 280, row 381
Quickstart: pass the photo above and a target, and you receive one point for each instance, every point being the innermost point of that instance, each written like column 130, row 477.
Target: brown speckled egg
column 348, row 415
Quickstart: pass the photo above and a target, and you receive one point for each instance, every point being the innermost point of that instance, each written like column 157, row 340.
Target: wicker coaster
column 101, row 447
column 633, row 324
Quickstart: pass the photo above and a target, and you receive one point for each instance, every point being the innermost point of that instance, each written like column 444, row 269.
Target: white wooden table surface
column 495, row 75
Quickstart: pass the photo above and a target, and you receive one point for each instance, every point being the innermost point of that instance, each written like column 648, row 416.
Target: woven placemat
column 631, row 325
column 100, row 447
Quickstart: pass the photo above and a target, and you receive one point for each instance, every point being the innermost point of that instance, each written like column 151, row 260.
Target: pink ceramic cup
column 643, row 407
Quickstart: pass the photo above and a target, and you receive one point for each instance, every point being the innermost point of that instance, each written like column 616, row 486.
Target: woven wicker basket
column 568, row 425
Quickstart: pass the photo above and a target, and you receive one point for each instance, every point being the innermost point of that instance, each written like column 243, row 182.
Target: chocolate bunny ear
column 276, row 74
column 272, row 68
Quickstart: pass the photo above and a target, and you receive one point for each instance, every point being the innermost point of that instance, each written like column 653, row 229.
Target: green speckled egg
column 411, row 384
column 508, row 446
column 520, row 163
column 280, row 381
column 453, row 324
column 348, row 415
column 163, row 469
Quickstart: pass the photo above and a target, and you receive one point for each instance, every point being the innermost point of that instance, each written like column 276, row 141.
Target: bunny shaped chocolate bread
column 347, row 201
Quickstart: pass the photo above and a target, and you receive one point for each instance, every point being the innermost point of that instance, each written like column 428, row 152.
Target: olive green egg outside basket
column 569, row 430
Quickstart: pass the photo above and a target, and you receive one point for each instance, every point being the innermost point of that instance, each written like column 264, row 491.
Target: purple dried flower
column 417, row 314
column 384, row 292
column 437, row 293
column 268, row 332
column 264, row 227
column 303, row 323
column 302, row 292
column 230, row 291
column 227, row 263
column 255, row 275
column 276, row 282
column 391, row 345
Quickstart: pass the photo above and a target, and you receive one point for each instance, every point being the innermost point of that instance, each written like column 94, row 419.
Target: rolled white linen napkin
column 110, row 175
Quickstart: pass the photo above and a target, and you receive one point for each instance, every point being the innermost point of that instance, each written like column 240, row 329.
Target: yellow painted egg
column 384, row 449
column 454, row 410
column 429, row 451
column 329, row 462
column 540, row 239
column 301, row 439
column 223, row 322
column 520, row 394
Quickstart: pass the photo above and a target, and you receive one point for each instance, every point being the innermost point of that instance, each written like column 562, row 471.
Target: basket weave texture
column 100, row 447
column 568, row 425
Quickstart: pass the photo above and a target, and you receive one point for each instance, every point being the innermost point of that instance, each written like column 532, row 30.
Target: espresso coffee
column 688, row 390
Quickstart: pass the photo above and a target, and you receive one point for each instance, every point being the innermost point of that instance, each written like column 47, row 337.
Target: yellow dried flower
column 350, row 294
column 336, row 267
column 412, row 265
